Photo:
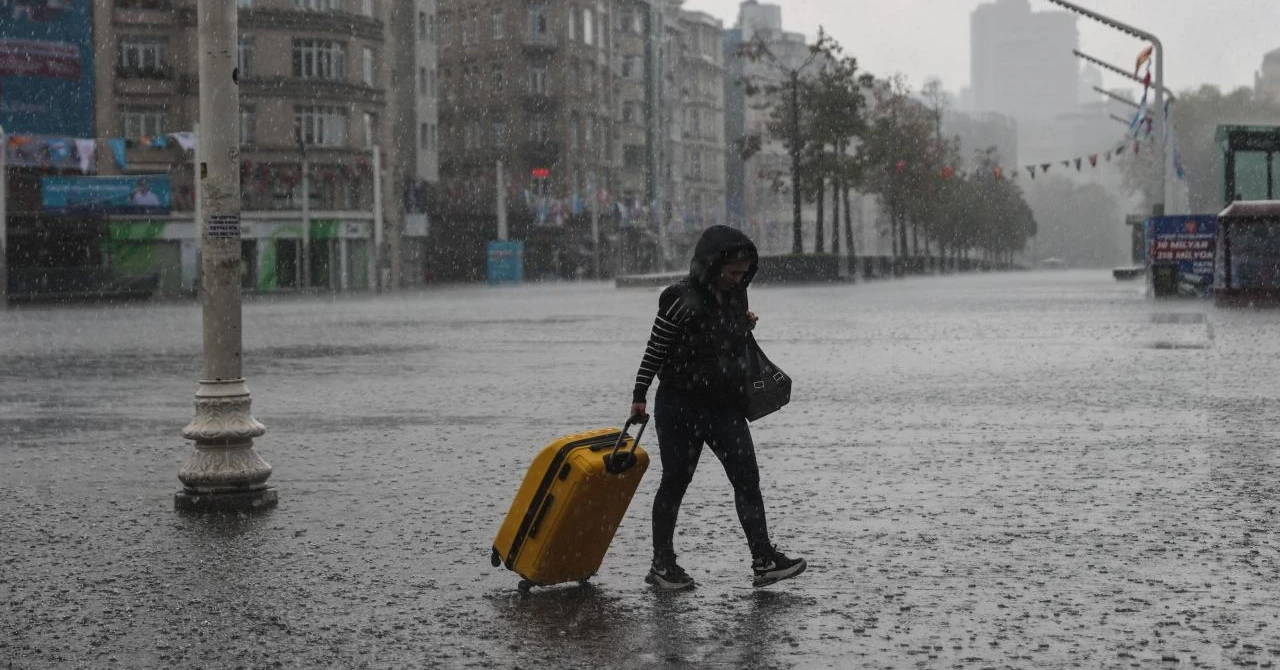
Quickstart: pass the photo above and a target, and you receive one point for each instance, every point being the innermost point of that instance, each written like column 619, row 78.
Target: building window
column 442, row 25
column 248, row 124
column 435, row 137
column 318, row 5
column 422, row 81
column 470, row 29
column 538, row 79
column 368, row 65
column 631, row 67
column 316, row 125
column 538, row 21
column 588, row 26
column 539, row 130
column 366, row 7
column 423, row 31
column 424, row 134
column 137, row 121
column 244, row 56
column 633, row 156
column 319, row 59
column 499, row 134
column 573, row 22
column 495, row 23
column 497, row 78
column 469, row 73
column 433, row 83
column 244, row 4
column 144, row 57
column 370, row 130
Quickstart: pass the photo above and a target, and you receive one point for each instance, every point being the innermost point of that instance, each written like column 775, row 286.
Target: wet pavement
column 1028, row 471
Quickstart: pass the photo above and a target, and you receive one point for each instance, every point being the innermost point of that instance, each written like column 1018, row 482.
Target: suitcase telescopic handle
column 617, row 462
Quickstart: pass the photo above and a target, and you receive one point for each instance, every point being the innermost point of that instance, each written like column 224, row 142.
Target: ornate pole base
column 224, row 473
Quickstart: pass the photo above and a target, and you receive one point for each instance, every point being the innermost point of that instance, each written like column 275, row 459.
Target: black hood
column 717, row 244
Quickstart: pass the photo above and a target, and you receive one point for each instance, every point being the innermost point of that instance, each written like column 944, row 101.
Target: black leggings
column 683, row 428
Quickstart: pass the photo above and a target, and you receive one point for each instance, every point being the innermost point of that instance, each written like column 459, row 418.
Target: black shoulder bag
column 768, row 388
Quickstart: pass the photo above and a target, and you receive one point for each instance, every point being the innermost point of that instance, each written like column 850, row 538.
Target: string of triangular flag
column 49, row 151
column 998, row 173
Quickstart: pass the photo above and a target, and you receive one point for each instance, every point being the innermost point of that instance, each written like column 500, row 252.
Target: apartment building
column 322, row 82
column 702, row 74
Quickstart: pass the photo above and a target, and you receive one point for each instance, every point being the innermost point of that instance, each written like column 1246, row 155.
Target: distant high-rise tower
column 1021, row 62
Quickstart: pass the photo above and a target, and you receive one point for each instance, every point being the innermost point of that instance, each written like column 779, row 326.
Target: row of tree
column 846, row 130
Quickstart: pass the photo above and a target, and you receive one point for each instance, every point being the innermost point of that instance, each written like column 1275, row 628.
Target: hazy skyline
column 928, row 38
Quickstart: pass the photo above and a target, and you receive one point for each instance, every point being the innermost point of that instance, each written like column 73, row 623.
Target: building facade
column 701, row 86
column 528, row 84
column 415, row 129
column 1266, row 81
column 320, row 88
column 1021, row 66
column 757, row 166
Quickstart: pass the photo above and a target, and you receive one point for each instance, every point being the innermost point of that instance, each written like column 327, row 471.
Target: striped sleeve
column 671, row 319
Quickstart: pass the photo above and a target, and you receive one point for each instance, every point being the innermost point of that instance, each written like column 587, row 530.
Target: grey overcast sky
column 926, row 38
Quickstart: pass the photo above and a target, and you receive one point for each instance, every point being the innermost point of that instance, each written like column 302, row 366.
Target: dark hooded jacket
column 706, row 359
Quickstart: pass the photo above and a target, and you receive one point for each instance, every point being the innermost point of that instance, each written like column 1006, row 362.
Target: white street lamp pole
column 224, row 473
column 1159, row 205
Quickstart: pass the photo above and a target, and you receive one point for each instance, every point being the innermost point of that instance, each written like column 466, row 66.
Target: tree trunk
column 848, row 231
column 819, row 244
column 893, row 230
column 797, row 242
column 835, row 217
column 902, row 244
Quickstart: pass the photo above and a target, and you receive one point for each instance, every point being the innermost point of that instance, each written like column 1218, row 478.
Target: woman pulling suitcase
column 697, row 350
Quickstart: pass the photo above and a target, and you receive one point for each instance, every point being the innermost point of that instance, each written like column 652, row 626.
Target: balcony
column 542, row 153
column 145, row 81
column 542, row 43
column 539, row 102
column 136, row 72
column 311, row 89
column 149, row 13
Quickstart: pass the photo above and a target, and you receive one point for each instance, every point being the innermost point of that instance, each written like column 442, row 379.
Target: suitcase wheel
column 495, row 558
column 524, row 587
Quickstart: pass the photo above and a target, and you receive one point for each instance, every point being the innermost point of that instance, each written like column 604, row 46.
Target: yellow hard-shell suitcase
column 567, row 510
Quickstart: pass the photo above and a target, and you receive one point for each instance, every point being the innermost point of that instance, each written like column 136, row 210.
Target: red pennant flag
column 1093, row 160
column 1044, row 167
column 1146, row 80
column 999, row 174
column 901, row 165
column 1137, row 148
column 948, row 172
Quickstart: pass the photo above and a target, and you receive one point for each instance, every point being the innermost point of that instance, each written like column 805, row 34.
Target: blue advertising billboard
column 46, row 67
column 1189, row 243
column 506, row 262
column 135, row 194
